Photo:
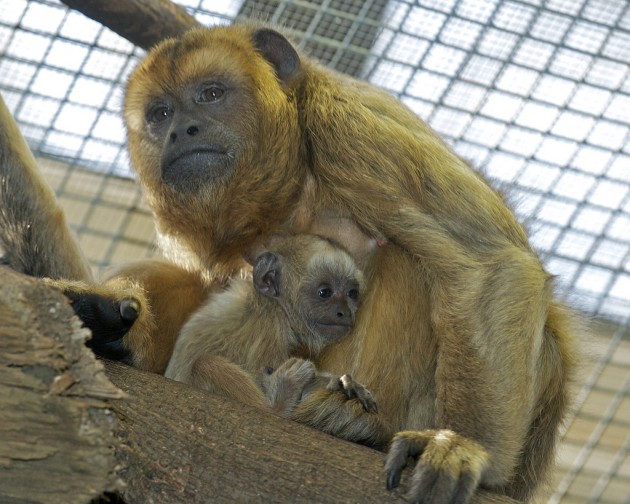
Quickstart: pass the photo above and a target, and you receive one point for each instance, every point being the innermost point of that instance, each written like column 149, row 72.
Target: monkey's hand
column 343, row 408
column 339, row 406
column 285, row 386
column 353, row 390
column 108, row 317
column 448, row 469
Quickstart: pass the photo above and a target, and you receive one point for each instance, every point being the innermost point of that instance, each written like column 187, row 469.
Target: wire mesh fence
column 534, row 93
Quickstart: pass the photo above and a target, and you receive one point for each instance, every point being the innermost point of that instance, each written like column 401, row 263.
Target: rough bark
column 142, row 22
column 56, row 431
column 182, row 445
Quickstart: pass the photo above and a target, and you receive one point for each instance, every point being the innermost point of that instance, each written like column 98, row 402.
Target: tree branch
column 143, row 22
column 180, row 444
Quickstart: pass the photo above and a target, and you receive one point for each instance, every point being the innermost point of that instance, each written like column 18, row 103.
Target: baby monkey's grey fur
column 303, row 295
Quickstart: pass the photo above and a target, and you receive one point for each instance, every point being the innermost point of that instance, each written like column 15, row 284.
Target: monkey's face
column 317, row 284
column 330, row 304
column 214, row 136
column 195, row 132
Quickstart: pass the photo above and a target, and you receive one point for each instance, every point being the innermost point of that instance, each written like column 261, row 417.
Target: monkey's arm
column 335, row 405
column 34, row 236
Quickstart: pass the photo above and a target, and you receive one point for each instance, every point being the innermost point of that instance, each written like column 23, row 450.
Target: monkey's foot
column 448, row 470
column 108, row 317
column 295, row 370
column 109, row 320
column 354, row 390
column 284, row 386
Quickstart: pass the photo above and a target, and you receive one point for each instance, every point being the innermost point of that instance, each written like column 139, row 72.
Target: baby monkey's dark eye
column 353, row 294
column 324, row 292
column 210, row 94
column 159, row 113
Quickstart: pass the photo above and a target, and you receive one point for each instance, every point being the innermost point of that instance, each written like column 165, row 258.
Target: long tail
column 35, row 238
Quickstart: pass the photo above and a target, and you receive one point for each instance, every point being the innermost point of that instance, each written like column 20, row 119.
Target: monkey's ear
column 278, row 51
column 266, row 274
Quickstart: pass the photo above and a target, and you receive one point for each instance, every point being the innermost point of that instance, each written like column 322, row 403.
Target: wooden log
column 56, row 431
column 142, row 22
column 69, row 435
column 182, row 445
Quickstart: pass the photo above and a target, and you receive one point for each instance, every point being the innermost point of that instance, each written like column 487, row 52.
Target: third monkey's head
column 214, row 136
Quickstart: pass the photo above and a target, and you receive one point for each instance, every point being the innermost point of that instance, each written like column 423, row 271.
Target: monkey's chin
column 332, row 332
column 190, row 171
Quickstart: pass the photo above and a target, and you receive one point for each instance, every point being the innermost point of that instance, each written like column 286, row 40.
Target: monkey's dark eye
column 159, row 113
column 210, row 94
column 324, row 292
column 353, row 294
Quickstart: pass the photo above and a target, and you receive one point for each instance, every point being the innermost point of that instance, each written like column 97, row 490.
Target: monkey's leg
column 108, row 314
column 491, row 300
column 449, row 468
column 34, row 235
column 136, row 312
column 296, row 390
column 353, row 390
column 221, row 376
column 493, row 364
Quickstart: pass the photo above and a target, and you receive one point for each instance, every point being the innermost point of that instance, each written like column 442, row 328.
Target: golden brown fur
column 491, row 350
column 458, row 338
column 166, row 295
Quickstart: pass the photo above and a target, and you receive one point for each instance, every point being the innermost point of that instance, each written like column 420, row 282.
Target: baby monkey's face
column 330, row 304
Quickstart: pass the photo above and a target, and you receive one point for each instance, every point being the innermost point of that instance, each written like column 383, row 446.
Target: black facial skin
column 331, row 306
column 196, row 132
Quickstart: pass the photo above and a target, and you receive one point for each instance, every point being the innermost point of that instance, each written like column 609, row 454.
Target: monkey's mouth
column 333, row 331
column 198, row 165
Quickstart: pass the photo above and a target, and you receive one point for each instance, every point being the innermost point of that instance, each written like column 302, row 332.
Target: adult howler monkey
column 235, row 136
